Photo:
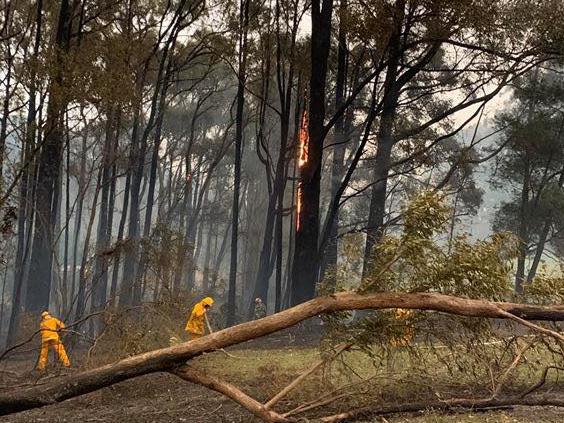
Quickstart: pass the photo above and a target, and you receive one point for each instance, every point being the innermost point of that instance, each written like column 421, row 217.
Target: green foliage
column 416, row 261
column 544, row 289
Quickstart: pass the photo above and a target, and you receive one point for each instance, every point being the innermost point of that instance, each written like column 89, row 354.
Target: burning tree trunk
column 306, row 258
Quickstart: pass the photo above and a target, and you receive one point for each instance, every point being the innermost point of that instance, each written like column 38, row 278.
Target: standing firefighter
column 196, row 323
column 50, row 339
column 260, row 309
column 404, row 338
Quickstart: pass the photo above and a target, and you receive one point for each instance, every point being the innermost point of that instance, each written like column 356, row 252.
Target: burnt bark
column 50, row 157
column 305, row 266
column 25, row 214
column 242, row 74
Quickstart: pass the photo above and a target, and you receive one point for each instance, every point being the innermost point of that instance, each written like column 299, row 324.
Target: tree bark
column 554, row 400
column 142, row 265
column 331, row 251
column 242, row 72
column 306, row 258
column 82, row 188
column 39, row 283
column 25, row 213
column 83, row 292
column 100, row 274
column 385, row 140
column 193, row 375
column 523, row 228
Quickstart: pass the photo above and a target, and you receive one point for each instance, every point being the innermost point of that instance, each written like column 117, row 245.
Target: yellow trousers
column 59, row 348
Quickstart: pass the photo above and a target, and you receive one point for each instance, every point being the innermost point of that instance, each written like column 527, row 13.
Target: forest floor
column 260, row 368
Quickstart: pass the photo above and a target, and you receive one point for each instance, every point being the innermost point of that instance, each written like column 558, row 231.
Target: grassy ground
column 262, row 372
column 518, row 415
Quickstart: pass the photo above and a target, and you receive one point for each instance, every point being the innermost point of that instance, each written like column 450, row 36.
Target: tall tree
column 306, row 259
column 241, row 75
column 39, row 283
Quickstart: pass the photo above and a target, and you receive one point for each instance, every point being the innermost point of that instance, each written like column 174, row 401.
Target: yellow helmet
column 208, row 301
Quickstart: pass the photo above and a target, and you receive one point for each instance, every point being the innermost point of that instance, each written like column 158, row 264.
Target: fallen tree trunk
column 554, row 400
column 167, row 359
column 258, row 409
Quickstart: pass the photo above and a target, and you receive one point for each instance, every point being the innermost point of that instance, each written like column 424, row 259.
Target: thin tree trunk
column 65, row 284
column 119, row 239
column 82, row 188
column 242, row 74
column 2, row 300
column 7, row 96
column 523, row 228
column 100, row 273
column 279, row 252
column 385, row 138
column 207, row 256
column 329, row 260
column 83, row 292
column 141, row 267
column 25, row 214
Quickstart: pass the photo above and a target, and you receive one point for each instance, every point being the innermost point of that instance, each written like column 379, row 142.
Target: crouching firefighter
column 196, row 323
column 50, row 339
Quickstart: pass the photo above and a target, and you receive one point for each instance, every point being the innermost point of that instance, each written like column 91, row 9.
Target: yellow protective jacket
column 49, row 326
column 196, row 322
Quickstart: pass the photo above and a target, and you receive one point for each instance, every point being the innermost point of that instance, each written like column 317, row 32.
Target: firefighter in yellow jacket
column 196, row 323
column 50, row 339
column 405, row 337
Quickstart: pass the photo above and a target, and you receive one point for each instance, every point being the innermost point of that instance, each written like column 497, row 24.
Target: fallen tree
column 171, row 358
column 454, row 405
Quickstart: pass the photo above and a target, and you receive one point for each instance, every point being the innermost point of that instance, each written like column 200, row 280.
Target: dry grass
column 262, row 373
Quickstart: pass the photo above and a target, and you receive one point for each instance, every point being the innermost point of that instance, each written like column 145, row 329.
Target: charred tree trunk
column 207, row 256
column 306, row 258
column 523, row 227
column 242, row 74
column 82, row 188
column 100, row 274
column 142, row 265
column 119, row 239
column 83, row 292
column 385, row 141
column 39, row 283
column 137, row 162
column 24, row 210
column 8, row 85
column 337, row 172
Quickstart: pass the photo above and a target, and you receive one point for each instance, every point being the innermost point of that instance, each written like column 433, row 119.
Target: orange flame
column 304, row 141
column 303, row 155
column 298, row 207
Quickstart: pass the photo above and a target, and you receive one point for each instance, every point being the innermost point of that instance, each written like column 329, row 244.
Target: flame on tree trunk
column 305, row 265
column 303, row 152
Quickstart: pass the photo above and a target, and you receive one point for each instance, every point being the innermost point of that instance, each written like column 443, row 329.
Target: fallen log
column 167, row 359
column 553, row 400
